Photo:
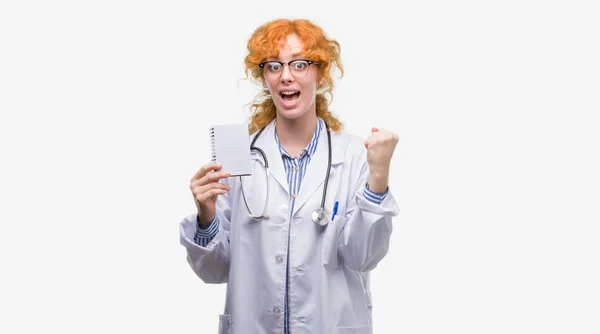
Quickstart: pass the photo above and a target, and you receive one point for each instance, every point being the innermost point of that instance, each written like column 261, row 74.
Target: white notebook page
column 231, row 148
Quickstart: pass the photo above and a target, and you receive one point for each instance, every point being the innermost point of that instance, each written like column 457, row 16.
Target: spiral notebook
column 231, row 148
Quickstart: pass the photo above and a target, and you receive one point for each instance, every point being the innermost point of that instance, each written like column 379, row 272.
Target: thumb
column 373, row 130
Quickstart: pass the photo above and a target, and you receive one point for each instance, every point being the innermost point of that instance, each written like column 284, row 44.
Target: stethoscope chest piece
column 318, row 216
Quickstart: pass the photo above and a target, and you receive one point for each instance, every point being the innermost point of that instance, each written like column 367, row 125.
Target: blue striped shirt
column 295, row 169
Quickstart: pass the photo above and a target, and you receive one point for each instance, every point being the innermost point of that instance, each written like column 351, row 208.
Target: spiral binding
column 212, row 145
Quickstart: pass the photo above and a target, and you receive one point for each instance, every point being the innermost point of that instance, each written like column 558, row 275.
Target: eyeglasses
column 298, row 67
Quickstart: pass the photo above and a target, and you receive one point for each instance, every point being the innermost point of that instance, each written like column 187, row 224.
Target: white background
column 105, row 107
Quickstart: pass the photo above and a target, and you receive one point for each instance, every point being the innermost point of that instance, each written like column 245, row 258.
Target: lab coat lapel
column 267, row 143
column 315, row 173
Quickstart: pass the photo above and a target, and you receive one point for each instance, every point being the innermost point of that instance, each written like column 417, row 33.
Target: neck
column 295, row 134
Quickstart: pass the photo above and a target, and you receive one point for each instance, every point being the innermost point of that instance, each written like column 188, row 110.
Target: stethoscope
column 319, row 214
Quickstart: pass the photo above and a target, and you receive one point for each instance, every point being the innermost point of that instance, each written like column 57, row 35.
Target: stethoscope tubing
column 318, row 214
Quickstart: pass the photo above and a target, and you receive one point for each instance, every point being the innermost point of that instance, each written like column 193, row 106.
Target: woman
column 286, row 273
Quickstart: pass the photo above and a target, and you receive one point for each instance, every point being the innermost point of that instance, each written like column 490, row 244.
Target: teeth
column 289, row 92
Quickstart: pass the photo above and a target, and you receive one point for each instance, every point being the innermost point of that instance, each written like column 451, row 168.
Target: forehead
column 292, row 45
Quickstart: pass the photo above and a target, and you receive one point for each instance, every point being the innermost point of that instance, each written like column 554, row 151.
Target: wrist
column 203, row 223
column 378, row 183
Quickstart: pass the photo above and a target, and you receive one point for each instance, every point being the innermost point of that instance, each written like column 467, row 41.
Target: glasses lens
column 299, row 68
column 273, row 68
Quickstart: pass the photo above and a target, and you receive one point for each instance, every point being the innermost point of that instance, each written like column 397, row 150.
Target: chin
column 293, row 113
column 290, row 115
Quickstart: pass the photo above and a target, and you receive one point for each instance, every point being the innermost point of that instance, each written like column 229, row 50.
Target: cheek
column 271, row 89
column 310, row 90
column 270, row 83
column 311, row 83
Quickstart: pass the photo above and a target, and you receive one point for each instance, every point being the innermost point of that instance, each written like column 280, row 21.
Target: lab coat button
column 301, row 270
column 276, row 310
column 279, row 258
column 302, row 319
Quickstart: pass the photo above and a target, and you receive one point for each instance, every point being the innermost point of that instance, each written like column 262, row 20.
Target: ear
column 321, row 81
column 321, row 84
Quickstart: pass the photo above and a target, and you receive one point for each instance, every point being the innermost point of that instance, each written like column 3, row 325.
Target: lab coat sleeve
column 210, row 262
column 365, row 237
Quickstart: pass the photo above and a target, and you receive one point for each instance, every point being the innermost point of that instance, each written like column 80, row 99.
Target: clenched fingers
column 381, row 137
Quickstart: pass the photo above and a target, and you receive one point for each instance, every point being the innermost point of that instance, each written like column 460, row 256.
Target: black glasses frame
column 289, row 63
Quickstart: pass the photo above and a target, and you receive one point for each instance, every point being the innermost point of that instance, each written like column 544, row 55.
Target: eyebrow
column 295, row 56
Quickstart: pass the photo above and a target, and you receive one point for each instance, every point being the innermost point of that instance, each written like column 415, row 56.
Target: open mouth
column 289, row 95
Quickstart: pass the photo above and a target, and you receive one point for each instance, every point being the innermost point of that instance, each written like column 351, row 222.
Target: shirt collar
column 312, row 145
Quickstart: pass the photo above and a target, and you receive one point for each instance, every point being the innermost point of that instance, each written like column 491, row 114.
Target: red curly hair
column 265, row 43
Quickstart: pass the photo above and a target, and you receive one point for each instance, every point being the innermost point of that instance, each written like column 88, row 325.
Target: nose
column 286, row 75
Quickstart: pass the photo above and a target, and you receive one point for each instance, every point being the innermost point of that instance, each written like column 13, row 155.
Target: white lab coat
column 328, row 266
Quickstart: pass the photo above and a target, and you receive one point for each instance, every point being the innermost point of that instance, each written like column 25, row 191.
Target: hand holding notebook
column 231, row 148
